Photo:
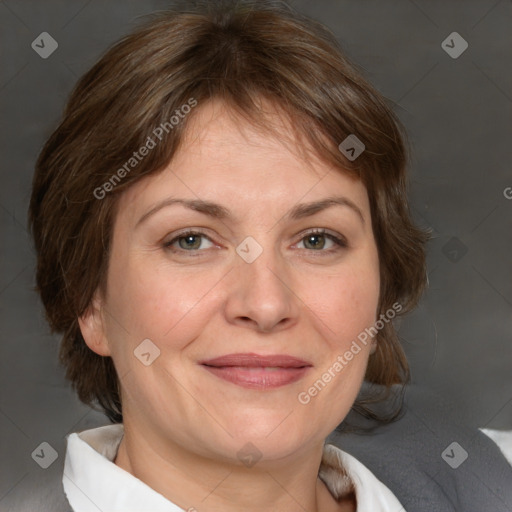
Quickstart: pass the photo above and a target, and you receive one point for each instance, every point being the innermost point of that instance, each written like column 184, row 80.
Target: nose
column 261, row 295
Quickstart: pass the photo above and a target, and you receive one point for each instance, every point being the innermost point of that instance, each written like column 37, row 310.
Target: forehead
column 226, row 158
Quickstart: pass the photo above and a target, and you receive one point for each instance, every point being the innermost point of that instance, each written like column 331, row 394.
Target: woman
column 223, row 239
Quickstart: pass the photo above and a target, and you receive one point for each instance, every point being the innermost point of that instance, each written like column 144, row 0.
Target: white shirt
column 93, row 483
column 503, row 438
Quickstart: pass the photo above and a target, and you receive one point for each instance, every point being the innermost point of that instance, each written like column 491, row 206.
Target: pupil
column 311, row 239
column 189, row 242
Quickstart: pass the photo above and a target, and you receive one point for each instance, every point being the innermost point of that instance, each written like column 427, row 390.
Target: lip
column 255, row 371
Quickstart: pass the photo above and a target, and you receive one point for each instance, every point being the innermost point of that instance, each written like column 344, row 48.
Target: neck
column 198, row 483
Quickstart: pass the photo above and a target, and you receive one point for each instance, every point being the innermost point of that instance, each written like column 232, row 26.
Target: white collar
column 93, row 483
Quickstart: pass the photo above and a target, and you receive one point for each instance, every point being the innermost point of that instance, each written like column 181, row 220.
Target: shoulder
column 429, row 460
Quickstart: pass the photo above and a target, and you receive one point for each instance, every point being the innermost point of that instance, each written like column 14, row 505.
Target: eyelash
column 341, row 243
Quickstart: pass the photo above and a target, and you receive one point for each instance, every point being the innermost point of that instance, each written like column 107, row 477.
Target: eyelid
column 338, row 239
column 322, row 231
column 168, row 241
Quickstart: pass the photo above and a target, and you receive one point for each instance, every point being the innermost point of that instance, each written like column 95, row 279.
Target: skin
column 183, row 425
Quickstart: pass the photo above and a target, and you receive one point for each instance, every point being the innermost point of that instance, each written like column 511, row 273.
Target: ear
column 92, row 327
column 373, row 347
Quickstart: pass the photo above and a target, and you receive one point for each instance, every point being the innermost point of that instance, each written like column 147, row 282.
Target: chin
column 272, row 436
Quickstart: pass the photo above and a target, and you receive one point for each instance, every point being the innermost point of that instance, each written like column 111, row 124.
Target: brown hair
column 239, row 52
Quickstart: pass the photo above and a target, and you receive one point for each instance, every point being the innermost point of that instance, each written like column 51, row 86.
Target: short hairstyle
column 238, row 52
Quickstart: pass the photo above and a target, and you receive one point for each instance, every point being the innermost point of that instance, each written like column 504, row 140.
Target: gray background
column 459, row 116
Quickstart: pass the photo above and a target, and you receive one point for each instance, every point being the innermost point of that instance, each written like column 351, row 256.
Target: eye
column 317, row 240
column 320, row 241
column 189, row 241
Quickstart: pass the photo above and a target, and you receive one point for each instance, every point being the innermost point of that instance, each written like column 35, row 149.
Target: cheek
column 156, row 302
column 360, row 301
column 345, row 302
column 344, row 305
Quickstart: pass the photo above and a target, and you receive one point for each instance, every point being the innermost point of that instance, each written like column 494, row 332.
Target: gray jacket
column 431, row 461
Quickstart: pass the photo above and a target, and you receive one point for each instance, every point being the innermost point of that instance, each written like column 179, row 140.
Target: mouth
column 257, row 372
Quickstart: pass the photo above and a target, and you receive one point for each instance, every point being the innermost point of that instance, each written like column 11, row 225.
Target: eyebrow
column 218, row 211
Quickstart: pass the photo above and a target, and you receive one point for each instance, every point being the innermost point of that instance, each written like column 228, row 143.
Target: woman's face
column 254, row 285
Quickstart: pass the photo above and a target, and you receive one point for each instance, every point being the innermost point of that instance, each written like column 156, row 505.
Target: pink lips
column 257, row 372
